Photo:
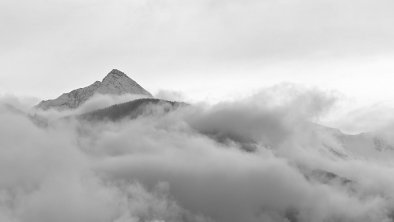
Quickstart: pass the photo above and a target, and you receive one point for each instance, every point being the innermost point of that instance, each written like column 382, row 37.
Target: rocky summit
column 115, row 83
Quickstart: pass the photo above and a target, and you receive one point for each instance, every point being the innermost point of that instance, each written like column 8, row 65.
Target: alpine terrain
column 115, row 83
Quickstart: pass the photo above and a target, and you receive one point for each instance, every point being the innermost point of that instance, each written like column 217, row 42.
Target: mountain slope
column 132, row 109
column 115, row 83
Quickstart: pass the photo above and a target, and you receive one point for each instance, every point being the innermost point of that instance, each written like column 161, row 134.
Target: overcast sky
column 205, row 48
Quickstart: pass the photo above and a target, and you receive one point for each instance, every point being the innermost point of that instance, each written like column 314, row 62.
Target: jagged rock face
column 115, row 83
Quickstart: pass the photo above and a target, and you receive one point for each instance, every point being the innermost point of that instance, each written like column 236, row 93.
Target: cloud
column 375, row 117
column 169, row 167
column 170, row 95
column 267, row 117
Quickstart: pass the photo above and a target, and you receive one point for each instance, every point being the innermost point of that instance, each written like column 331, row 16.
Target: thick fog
column 261, row 158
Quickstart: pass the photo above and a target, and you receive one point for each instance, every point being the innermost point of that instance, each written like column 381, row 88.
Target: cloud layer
column 190, row 165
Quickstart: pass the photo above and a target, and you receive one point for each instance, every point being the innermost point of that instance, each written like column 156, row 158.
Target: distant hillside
column 132, row 109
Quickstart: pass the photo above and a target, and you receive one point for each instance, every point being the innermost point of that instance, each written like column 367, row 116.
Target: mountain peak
column 114, row 83
column 116, row 73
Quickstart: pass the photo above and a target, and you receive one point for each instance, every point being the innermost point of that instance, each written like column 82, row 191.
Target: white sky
column 205, row 49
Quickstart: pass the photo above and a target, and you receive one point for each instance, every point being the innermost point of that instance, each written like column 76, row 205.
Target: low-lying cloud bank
column 192, row 164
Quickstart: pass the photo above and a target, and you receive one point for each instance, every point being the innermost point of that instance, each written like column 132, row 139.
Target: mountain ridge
column 114, row 83
column 131, row 109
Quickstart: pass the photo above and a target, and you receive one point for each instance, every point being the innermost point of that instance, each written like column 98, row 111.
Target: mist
column 260, row 158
